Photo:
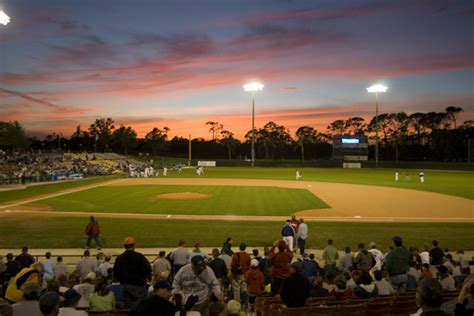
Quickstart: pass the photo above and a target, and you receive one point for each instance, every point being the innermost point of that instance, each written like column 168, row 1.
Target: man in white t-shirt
column 377, row 254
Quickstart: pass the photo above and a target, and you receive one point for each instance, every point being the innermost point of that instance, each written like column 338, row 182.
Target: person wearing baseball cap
column 157, row 303
column 132, row 270
column 397, row 265
column 49, row 303
column 197, row 279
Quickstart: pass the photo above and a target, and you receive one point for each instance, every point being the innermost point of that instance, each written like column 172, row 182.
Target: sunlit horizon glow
column 182, row 64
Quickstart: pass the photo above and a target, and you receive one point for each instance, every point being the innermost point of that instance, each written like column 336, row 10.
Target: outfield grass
column 50, row 187
column 226, row 200
column 446, row 182
column 58, row 232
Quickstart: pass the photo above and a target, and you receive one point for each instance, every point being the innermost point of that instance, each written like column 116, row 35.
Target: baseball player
column 298, row 175
column 422, row 176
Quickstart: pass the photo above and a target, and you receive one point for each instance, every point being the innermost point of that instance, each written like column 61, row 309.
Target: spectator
column 396, row 263
column 24, row 259
column 85, row 289
column 161, row 267
column 341, row 292
column 102, row 299
column 280, row 261
column 12, row 267
column 197, row 279
column 295, row 289
column 219, row 268
column 32, row 274
column 302, row 234
column 445, row 279
column 256, row 254
column 49, row 304
column 265, row 266
column 345, row 262
column 197, row 251
column 105, row 266
column 383, row 286
column 330, row 256
column 463, row 262
column 227, row 247
column 288, row 234
column 363, row 259
column 157, row 303
column 30, row 305
column 465, row 300
column 310, row 267
column 377, row 254
column 179, row 256
column 71, row 300
column 93, row 233
column 254, row 280
column 60, row 269
column 425, row 255
column 365, row 288
column 239, row 266
column 132, row 270
column 425, row 272
column 85, row 266
column 436, row 254
column 317, row 289
column 48, row 266
column 429, row 297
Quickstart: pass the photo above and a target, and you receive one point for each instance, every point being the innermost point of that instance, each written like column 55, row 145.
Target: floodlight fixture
column 4, row 18
column 253, row 86
column 376, row 88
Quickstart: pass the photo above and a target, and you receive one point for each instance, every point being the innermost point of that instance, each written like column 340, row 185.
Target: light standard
column 253, row 87
column 377, row 88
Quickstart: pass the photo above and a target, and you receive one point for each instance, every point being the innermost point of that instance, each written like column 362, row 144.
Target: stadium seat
column 295, row 311
column 322, row 310
column 352, row 309
column 379, row 308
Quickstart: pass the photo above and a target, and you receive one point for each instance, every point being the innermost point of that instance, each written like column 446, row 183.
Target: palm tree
column 214, row 128
column 305, row 134
column 229, row 142
column 452, row 112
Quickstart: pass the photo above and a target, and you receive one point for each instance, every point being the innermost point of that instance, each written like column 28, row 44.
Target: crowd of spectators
column 190, row 281
column 36, row 166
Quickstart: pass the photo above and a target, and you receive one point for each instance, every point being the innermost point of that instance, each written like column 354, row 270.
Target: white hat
column 233, row 307
column 254, row 263
column 90, row 276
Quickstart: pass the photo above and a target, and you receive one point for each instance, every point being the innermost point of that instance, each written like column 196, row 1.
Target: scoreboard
column 350, row 147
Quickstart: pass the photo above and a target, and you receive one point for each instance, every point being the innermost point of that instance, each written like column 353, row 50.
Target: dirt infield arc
column 349, row 202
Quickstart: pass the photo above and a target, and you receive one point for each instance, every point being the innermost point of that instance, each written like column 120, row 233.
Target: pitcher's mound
column 183, row 196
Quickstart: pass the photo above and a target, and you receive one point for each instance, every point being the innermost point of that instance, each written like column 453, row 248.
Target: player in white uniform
column 298, row 175
column 396, row 176
column 422, row 176
column 165, row 171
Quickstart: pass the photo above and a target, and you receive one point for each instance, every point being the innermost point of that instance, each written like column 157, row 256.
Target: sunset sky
column 181, row 63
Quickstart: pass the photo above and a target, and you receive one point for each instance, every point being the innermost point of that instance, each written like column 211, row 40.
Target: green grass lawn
column 446, row 182
column 226, row 200
column 59, row 232
column 50, row 187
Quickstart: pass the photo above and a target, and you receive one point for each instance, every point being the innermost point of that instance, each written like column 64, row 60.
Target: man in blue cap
column 157, row 303
column 397, row 265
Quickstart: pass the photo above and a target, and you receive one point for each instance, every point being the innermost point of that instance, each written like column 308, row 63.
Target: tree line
column 435, row 136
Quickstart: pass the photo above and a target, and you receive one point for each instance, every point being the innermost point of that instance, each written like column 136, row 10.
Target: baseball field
column 248, row 204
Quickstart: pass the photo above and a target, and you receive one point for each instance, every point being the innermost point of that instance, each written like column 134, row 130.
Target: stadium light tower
column 253, row 87
column 377, row 88
column 4, row 18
